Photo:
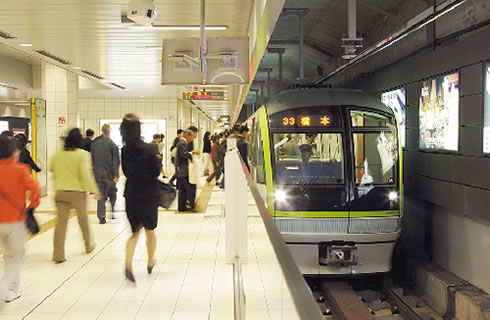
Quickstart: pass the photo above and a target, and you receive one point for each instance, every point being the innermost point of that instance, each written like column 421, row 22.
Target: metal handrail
column 306, row 305
column 238, row 290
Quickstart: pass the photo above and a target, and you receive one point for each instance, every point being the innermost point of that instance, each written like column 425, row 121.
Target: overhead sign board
column 204, row 95
column 227, row 61
column 224, row 121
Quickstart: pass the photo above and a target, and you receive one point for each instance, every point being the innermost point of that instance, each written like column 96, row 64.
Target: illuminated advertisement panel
column 4, row 126
column 396, row 101
column 486, row 117
column 439, row 113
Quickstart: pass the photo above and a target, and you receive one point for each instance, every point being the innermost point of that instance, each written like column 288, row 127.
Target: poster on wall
column 4, row 126
column 486, row 117
column 396, row 101
column 439, row 113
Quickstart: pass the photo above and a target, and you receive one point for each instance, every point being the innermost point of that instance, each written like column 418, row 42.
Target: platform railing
column 304, row 302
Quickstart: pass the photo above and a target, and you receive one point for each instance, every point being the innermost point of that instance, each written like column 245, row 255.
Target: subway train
column 328, row 164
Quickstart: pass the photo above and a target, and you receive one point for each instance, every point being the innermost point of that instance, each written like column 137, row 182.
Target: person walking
column 105, row 159
column 187, row 193
column 158, row 148
column 215, row 159
column 173, row 153
column 89, row 137
column 25, row 155
column 16, row 182
column 73, row 178
column 206, row 152
column 141, row 168
column 161, row 144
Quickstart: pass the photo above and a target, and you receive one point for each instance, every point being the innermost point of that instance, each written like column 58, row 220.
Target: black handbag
column 31, row 222
column 167, row 195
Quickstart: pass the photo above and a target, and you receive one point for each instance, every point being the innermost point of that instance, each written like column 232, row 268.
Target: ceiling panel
column 90, row 35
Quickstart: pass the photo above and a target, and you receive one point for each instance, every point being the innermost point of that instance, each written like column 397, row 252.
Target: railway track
column 368, row 299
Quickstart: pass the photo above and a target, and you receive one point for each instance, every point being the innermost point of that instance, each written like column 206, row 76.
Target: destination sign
column 307, row 121
column 203, row 95
column 316, row 117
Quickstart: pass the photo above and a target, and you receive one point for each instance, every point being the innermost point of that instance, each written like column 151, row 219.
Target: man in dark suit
column 105, row 160
column 174, row 153
column 184, row 155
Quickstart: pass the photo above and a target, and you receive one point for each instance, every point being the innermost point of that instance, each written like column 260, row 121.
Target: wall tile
column 61, row 85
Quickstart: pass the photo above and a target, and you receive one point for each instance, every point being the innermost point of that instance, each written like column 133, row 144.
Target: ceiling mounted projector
column 141, row 11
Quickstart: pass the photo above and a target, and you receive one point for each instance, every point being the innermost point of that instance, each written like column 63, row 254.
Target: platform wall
column 447, row 212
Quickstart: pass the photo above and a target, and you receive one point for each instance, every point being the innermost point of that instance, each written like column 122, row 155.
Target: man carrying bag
column 184, row 155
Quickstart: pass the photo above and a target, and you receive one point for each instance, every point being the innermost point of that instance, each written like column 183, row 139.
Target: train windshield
column 309, row 158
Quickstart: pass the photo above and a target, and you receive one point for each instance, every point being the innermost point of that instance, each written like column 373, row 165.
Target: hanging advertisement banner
column 439, row 113
column 486, row 116
column 396, row 101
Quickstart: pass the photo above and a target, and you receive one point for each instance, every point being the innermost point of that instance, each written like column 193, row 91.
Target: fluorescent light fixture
column 77, row 68
column 10, row 101
column 22, row 104
column 25, row 44
column 178, row 28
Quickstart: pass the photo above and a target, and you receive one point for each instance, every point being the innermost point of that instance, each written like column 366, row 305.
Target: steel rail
column 306, row 305
column 406, row 311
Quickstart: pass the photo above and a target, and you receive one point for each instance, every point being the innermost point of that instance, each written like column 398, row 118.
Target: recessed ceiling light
column 25, row 44
column 178, row 28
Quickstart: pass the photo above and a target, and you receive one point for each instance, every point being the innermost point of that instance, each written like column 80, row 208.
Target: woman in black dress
column 141, row 168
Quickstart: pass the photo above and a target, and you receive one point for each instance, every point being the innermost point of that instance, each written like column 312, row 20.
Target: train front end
column 336, row 186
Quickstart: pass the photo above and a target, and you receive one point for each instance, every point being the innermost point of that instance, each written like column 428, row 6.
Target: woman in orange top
column 15, row 183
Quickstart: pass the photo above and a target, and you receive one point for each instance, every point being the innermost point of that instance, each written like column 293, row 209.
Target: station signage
column 204, row 95
column 224, row 121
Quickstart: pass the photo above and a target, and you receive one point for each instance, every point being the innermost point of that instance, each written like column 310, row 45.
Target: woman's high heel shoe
column 130, row 276
column 150, row 268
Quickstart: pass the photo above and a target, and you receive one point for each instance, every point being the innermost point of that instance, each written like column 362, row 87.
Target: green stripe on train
column 264, row 128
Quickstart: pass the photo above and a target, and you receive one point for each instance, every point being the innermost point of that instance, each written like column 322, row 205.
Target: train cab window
column 362, row 118
column 375, row 155
column 308, row 158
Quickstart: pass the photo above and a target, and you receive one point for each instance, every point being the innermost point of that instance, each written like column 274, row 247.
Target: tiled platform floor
column 190, row 280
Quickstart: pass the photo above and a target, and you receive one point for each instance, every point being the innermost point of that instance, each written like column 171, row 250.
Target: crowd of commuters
column 90, row 165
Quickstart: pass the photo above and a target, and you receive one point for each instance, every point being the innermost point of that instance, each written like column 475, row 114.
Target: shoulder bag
column 31, row 222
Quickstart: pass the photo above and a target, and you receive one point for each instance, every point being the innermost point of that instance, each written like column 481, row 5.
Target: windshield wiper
column 308, row 186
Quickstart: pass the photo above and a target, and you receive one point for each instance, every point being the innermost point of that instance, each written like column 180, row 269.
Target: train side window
column 361, row 118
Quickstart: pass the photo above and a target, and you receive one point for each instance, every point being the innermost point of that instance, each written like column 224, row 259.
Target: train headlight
column 280, row 195
column 393, row 196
